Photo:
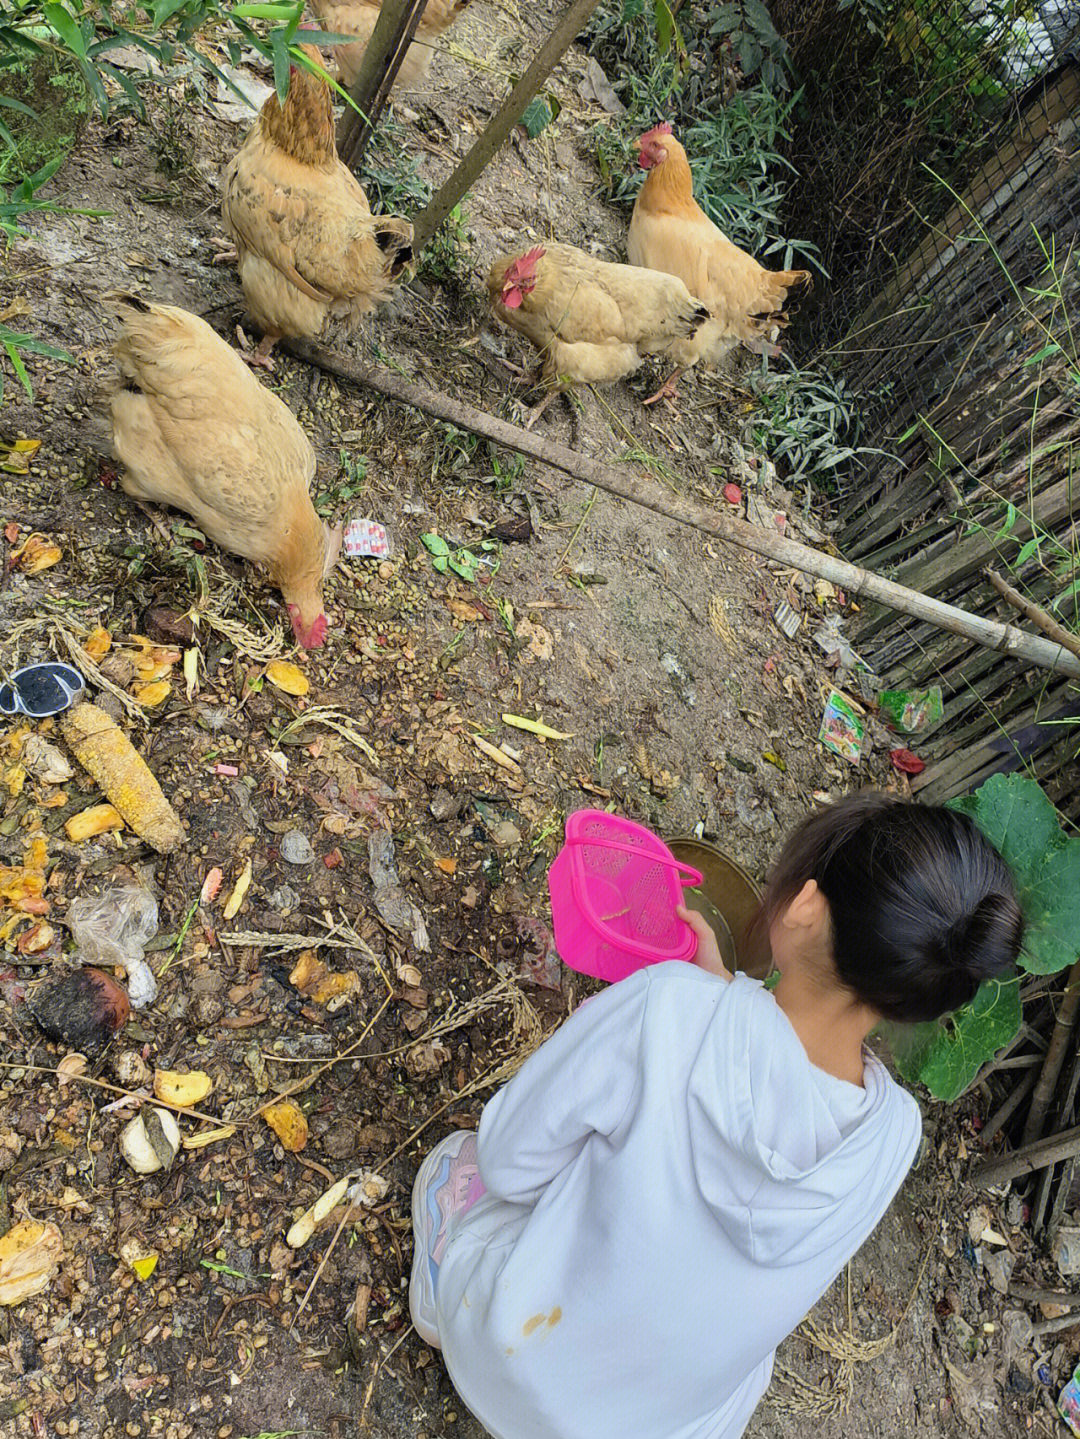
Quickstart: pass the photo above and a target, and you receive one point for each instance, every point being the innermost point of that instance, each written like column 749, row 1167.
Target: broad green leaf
column 282, row 65
column 1043, row 354
column 538, row 115
column 947, row 1056
column 435, row 545
column 1018, row 819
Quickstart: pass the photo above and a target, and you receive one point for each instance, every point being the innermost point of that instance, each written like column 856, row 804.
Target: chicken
column 309, row 250
column 670, row 231
column 591, row 320
column 357, row 17
column 195, row 429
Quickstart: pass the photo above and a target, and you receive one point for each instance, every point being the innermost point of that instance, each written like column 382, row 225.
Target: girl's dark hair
column 923, row 907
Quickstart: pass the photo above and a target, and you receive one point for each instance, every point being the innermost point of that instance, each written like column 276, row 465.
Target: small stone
column 296, row 848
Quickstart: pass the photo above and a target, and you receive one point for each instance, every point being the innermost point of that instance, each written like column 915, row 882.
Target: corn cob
column 111, row 760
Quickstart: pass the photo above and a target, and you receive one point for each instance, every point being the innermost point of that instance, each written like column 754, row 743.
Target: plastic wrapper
column 114, row 929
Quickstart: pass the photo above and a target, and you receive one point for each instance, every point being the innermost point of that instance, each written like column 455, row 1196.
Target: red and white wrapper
column 367, row 538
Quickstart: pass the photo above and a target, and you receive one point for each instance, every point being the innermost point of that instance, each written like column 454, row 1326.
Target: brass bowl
column 729, row 900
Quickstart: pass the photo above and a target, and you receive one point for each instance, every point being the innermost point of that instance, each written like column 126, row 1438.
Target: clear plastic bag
column 114, row 929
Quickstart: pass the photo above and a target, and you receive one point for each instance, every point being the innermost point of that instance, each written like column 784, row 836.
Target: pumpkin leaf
column 946, row 1056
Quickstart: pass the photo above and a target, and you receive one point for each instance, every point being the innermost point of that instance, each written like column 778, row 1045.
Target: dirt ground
column 652, row 650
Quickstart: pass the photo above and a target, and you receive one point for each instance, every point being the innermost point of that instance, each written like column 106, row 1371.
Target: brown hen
column 669, row 231
column 193, row 428
column 309, row 250
column 592, row 321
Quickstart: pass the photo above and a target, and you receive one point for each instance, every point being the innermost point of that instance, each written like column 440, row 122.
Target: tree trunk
column 574, row 20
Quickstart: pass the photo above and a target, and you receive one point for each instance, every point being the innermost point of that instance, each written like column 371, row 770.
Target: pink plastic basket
column 614, row 888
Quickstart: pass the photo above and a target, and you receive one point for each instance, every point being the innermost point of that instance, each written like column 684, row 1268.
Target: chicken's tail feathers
column 699, row 316
column 120, row 302
column 394, row 237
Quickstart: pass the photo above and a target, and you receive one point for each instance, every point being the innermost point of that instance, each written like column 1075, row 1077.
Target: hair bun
column 981, row 942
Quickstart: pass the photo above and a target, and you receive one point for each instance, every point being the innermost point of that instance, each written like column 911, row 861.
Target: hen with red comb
column 194, row 429
column 592, row 321
column 747, row 303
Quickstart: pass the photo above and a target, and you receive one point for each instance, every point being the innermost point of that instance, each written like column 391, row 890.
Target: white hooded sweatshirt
column 671, row 1187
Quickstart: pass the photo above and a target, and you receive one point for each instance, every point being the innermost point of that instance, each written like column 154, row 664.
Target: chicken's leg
column 259, row 357
column 668, row 390
column 157, row 522
column 224, row 251
column 535, row 414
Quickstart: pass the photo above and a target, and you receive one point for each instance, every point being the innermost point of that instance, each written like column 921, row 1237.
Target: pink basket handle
column 689, row 877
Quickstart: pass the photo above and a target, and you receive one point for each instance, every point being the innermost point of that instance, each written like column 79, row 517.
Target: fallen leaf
column 15, row 458
column 98, row 643
column 30, row 1254
column 288, row 677
column 448, row 866
column 906, row 762
column 536, row 727
column 240, row 889
column 138, row 1258
column 191, row 672
column 11, row 533
column 287, row 1121
column 153, row 693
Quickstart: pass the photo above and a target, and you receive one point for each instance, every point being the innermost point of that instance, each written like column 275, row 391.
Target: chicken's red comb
column 523, row 265
column 664, row 128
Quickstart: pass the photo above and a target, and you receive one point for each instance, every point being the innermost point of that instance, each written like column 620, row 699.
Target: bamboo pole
column 1055, row 1058
column 993, row 635
column 387, row 48
column 574, row 20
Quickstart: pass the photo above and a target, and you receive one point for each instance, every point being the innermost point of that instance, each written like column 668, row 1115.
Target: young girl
column 673, row 1180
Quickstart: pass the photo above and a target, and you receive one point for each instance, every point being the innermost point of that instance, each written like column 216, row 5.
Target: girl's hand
column 708, row 952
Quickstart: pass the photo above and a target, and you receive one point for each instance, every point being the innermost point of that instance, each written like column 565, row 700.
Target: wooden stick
column 1055, row 1058
column 1006, row 639
column 573, row 21
column 387, row 48
column 1007, row 1108
column 1036, row 614
column 1036, row 1156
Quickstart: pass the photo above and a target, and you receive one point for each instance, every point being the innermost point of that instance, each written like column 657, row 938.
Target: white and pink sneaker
column 447, row 1185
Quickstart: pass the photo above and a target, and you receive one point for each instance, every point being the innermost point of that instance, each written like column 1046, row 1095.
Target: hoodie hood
column 779, row 1146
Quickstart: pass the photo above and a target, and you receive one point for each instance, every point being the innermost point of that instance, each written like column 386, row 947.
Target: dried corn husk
column 240, row 888
column 110, row 759
column 96, row 819
column 30, row 1254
